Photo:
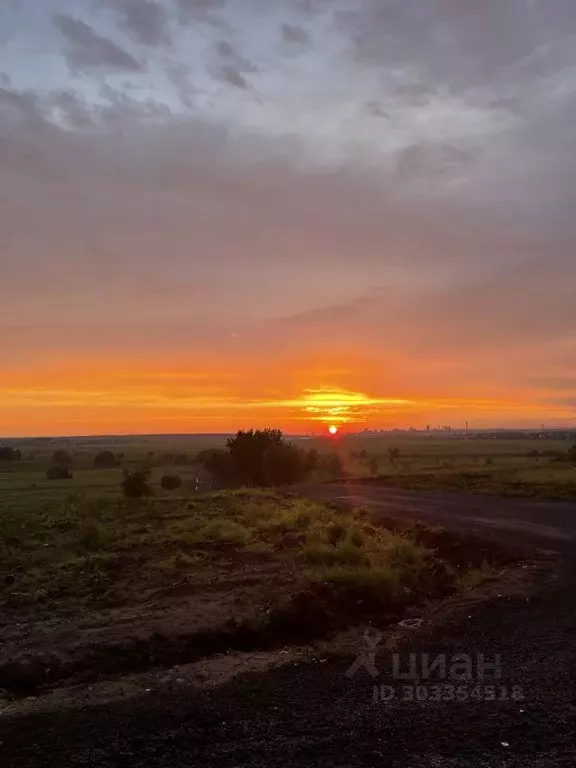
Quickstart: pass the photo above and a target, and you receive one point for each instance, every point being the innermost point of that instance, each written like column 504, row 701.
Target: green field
column 507, row 467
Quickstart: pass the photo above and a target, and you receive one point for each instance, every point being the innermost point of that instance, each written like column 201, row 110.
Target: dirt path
column 314, row 714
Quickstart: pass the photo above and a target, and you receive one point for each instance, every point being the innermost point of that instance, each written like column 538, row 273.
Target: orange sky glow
column 96, row 400
column 261, row 215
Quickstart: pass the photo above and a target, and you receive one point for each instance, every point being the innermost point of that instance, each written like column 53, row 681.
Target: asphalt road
column 547, row 524
column 523, row 713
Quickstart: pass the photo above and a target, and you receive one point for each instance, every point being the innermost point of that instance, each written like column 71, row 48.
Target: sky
column 217, row 214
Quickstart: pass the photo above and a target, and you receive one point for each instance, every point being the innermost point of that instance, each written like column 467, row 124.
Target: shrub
column 247, row 451
column 283, row 464
column 105, row 460
column 312, row 460
column 9, row 454
column 171, row 482
column 58, row 472
column 61, row 457
column 218, row 463
column 136, row 483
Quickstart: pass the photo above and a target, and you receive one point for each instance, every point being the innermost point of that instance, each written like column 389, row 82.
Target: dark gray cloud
column 5, row 79
column 293, row 34
column 231, row 74
column 88, row 51
column 148, row 22
column 505, row 43
column 224, row 48
column 235, row 66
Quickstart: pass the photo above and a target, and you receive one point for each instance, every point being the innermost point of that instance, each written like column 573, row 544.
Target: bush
column 312, row 460
column 218, row 463
column 58, row 472
column 171, row 482
column 261, row 457
column 136, row 484
column 9, row 454
column 61, row 457
column 284, row 464
column 105, row 460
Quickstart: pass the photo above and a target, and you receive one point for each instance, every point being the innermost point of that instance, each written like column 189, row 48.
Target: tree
column 247, row 450
column 333, row 465
column 571, row 455
column 61, row 457
column 58, row 472
column 312, row 460
column 136, row 483
column 8, row 453
column 218, row 462
column 373, row 465
column 105, row 460
column 284, row 464
column 171, row 482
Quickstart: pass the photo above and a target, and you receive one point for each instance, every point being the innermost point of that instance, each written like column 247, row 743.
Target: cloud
column 235, row 66
column 208, row 11
column 88, row 51
column 293, row 34
column 69, row 108
column 391, row 153
column 230, row 74
column 179, row 75
column 225, row 49
column 148, row 22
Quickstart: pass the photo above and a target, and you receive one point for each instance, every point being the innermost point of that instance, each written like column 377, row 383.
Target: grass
column 245, row 569
column 503, row 467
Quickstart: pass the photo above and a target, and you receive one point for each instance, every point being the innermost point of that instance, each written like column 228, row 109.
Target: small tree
column 247, row 450
column 284, row 464
column 312, row 460
column 571, row 455
column 61, row 457
column 137, row 483
column 171, row 482
column 58, row 472
column 334, row 466
column 9, row 454
column 105, row 460
column 218, row 463
column 373, row 465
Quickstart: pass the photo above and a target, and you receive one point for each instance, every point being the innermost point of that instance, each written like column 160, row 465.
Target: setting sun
column 333, row 430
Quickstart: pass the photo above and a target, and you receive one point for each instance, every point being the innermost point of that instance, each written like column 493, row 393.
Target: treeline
column 567, row 456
